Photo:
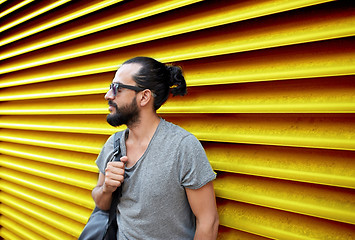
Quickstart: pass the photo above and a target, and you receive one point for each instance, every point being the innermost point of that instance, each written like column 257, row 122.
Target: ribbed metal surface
column 271, row 97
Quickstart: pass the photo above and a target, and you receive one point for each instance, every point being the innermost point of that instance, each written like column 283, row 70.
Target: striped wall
column 271, row 97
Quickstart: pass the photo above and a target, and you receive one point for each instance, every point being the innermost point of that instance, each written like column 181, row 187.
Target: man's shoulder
column 178, row 135
column 174, row 130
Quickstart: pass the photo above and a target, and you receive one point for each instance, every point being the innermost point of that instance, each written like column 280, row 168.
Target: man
column 167, row 190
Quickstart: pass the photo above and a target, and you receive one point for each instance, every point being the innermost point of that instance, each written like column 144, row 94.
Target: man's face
column 123, row 107
column 127, row 114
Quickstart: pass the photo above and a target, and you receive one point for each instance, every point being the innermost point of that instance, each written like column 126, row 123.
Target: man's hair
column 160, row 78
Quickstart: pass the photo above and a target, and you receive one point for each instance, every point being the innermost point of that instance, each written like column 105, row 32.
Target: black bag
column 102, row 224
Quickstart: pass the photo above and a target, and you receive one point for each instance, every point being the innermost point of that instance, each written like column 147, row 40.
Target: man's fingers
column 115, row 176
column 115, row 164
column 124, row 159
column 114, row 170
column 114, row 182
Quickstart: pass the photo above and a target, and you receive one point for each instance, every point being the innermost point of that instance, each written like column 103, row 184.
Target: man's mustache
column 111, row 103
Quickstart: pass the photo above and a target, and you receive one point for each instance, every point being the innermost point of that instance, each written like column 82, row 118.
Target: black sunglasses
column 117, row 86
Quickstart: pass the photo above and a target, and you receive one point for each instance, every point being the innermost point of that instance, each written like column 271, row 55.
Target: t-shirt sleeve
column 106, row 154
column 196, row 170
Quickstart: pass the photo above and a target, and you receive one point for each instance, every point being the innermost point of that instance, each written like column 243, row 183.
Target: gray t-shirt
column 154, row 204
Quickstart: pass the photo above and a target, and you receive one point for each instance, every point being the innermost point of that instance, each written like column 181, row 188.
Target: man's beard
column 128, row 114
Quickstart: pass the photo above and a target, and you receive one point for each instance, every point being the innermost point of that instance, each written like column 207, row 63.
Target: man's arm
column 203, row 205
column 107, row 183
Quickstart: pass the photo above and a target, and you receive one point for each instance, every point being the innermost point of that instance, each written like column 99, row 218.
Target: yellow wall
column 271, row 97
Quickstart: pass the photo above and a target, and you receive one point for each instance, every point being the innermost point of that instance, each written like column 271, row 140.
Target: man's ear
column 145, row 97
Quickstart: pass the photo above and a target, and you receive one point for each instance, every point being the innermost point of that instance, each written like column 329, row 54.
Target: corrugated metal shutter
column 271, row 97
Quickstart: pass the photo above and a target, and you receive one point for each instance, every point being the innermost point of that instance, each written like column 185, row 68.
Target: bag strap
column 118, row 192
column 116, row 144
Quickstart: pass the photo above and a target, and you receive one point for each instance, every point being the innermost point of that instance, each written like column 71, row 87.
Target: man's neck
column 143, row 131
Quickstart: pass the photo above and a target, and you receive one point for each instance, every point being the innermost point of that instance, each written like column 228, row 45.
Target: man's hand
column 108, row 183
column 114, row 175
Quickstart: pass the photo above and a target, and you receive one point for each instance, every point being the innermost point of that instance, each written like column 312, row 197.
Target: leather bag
column 102, row 224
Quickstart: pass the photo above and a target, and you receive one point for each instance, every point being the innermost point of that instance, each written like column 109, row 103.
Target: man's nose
column 109, row 95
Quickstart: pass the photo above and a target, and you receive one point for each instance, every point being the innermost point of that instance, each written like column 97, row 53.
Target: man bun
column 177, row 81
